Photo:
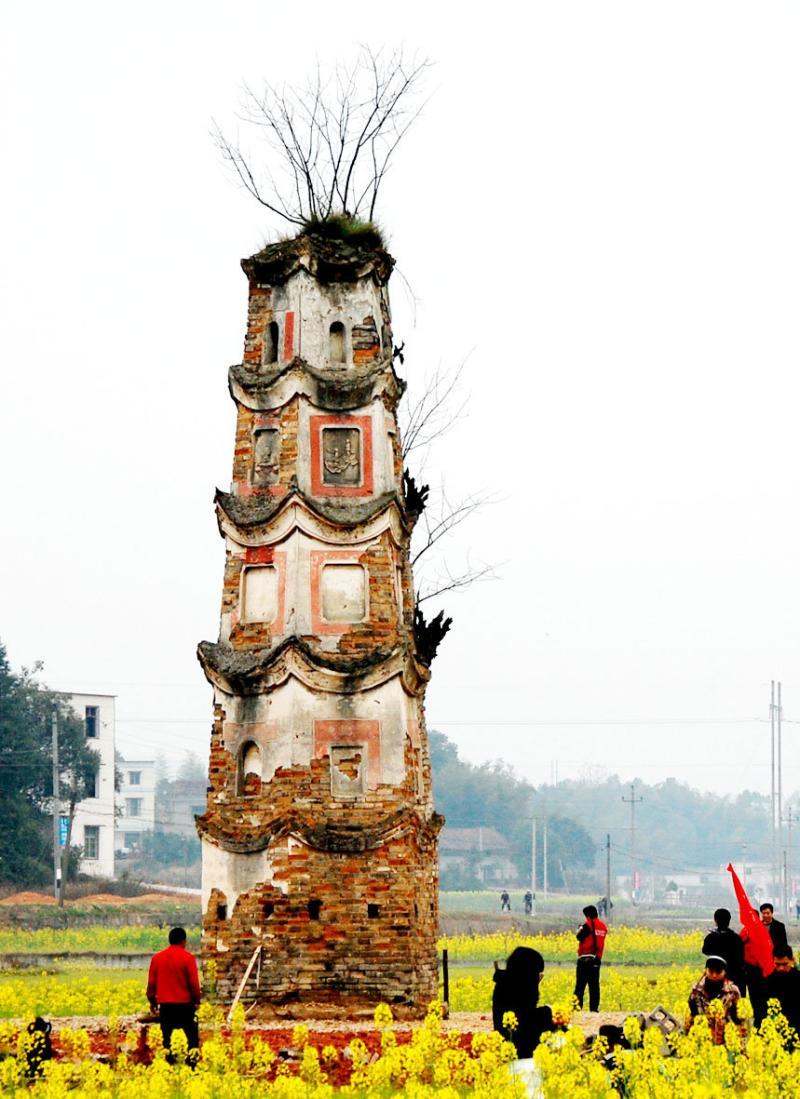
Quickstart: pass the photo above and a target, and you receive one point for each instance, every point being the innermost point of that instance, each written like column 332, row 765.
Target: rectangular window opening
column 91, row 841
column 314, row 909
column 373, row 911
column 91, row 721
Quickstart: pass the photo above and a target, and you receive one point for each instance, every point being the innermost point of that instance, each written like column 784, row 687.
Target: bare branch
column 335, row 137
column 433, row 414
column 446, row 581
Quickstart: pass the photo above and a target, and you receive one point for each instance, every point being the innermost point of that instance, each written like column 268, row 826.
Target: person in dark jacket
column 777, row 930
column 724, row 943
column 783, row 985
column 516, row 988
column 591, row 943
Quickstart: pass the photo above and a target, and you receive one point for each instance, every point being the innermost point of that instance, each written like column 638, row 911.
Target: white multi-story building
column 93, row 827
column 136, row 802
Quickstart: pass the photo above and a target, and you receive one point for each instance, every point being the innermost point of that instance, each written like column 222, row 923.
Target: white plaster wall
column 98, row 811
column 146, row 790
column 293, row 709
column 233, row 874
column 298, row 618
column 317, row 307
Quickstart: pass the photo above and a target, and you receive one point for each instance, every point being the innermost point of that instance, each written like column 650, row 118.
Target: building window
column 271, row 342
column 134, row 778
column 134, row 806
column 91, row 721
column 93, row 784
column 91, row 841
column 131, row 840
column 338, row 352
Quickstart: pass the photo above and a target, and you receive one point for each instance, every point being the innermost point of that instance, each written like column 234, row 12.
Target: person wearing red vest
column 591, row 943
column 173, row 989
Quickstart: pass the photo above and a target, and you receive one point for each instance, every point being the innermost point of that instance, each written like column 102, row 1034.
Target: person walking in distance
column 529, row 903
column 591, row 943
column 173, row 989
column 505, row 901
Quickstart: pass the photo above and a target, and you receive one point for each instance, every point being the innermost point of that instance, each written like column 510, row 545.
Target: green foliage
column 26, row 782
column 492, row 796
column 363, row 234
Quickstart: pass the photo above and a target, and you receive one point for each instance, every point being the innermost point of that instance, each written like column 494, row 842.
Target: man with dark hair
column 777, row 930
column 724, row 943
column 591, row 938
column 783, row 985
column 173, row 989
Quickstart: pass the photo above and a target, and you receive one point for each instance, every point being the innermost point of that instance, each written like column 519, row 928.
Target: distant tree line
column 677, row 828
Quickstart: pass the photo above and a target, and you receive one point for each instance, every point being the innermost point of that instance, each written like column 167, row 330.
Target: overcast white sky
column 599, row 206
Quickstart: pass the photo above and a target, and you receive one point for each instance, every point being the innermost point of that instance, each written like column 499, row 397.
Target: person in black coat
column 777, row 930
column 783, row 984
column 516, row 988
column 724, row 943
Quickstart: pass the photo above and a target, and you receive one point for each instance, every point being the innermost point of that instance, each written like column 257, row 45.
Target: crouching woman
column 516, row 988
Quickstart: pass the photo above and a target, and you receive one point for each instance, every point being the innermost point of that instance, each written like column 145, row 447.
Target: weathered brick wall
column 332, row 874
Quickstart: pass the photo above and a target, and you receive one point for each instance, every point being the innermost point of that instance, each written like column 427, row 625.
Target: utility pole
column 533, row 856
column 773, row 836
column 633, row 801
column 56, row 807
column 608, row 876
column 779, row 741
column 544, row 867
column 789, row 820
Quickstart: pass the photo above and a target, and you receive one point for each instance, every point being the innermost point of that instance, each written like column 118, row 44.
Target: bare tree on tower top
column 331, row 141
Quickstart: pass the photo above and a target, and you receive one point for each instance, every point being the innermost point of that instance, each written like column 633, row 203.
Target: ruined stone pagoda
column 319, row 839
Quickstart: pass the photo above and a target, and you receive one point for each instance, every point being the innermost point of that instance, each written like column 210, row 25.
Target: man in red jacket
column 173, row 989
column 591, row 943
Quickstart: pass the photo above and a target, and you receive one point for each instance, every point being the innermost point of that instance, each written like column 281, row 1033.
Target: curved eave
column 260, row 520
column 261, row 671
column 346, row 389
column 324, row 260
column 331, row 838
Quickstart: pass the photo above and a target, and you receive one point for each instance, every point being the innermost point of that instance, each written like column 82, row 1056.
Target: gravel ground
column 469, row 1022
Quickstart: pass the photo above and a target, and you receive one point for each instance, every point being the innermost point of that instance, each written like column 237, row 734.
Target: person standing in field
column 173, row 989
column 505, row 901
column 724, row 943
column 591, row 938
column 529, row 903
column 777, row 930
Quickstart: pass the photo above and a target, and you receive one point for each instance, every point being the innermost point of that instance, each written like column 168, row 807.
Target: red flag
column 756, row 931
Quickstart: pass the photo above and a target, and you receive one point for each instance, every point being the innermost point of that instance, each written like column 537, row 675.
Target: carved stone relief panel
column 341, row 456
column 266, row 454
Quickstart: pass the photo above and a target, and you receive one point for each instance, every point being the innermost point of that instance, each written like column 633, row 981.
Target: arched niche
column 248, row 776
column 271, row 342
column 338, row 343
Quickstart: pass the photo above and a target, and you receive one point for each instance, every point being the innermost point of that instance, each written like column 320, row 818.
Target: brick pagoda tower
column 320, row 838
